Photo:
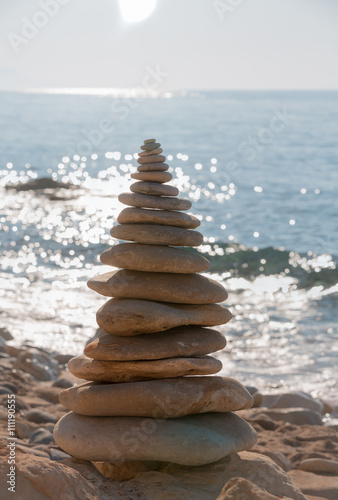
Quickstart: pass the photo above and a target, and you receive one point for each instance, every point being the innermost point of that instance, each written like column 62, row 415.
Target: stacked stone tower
column 151, row 395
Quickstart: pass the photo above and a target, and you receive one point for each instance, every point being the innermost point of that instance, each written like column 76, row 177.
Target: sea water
column 261, row 169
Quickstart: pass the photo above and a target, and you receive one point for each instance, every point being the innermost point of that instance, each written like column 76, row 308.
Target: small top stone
column 148, row 141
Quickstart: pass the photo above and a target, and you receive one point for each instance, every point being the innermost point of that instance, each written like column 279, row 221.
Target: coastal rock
column 39, row 478
column 39, row 416
column 153, row 189
column 319, row 465
column 296, row 416
column 162, row 287
column 167, row 398
column 295, row 399
column 315, row 484
column 150, row 159
column 159, row 202
column 239, row 488
column 164, row 217
column 153, row 167
column 191, row 440
column 154, row 258
column 160, row 177
column 37, row 364
column 155, row 234
column 181, row 341
column 41, row 436
column 131, row 316
column 128, row 371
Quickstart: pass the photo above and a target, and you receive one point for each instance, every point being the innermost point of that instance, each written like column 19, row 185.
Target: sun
column 134, row 11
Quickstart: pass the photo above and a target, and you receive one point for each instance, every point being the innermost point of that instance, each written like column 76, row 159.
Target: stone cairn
column 149, row 398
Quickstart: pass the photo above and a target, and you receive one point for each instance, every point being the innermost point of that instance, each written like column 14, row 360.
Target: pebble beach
column 296, row 432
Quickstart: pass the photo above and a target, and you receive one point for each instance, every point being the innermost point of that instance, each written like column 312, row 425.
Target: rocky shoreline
column 297, row 439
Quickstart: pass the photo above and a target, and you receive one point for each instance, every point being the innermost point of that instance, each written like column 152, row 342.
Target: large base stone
column 192, row 440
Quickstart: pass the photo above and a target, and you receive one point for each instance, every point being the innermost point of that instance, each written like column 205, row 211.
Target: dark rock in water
column 39, row 416
column 5, row 334
column 41, row 436
column 63, row 383
column 43, row 183
column 3, row 355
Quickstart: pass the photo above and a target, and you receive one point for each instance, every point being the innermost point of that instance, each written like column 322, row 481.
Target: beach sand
column 298, row 433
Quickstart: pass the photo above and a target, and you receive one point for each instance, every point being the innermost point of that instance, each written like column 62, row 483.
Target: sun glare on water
column 134, row 11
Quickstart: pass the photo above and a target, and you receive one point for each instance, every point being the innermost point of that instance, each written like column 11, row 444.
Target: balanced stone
column 150, row 159
column 154, row 234
column 153, row 167
column 157, row 151
column 165, row 217
column 191, row 440
column 153, row 188
column 163, row 287
column 132, row 316
column 154, row 258
column 167, row 398
column 148, row 141
column 129, row 371
column 148, row 146
column 180, row 341
column 162, row 203
column 160, row 177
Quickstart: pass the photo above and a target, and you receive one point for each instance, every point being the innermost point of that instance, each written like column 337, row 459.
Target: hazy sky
column 198, row 44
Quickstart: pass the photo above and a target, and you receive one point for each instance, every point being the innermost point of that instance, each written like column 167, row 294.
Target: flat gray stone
column 163, row 287
column 160, row 202
column 133, row 316
column 181, row 341
column 130, row 371
column 190, row 440
column 148, row 141
column 154, row 258
column 157, row 151
column 155, row 234
column 165, row 217
column 154, row 189
column 153, row 167
column 149, row 146
column 167, row 398
column 151, row 159
column 160, row 177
